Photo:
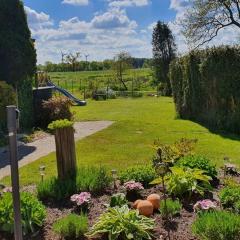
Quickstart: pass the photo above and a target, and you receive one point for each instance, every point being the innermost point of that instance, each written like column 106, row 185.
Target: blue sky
column 102, row 28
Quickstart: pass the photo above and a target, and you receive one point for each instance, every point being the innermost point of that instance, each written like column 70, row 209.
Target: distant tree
column 72, row 60
column 122, row 62
column 164, row 51
column 17, row 52
column 205, row 18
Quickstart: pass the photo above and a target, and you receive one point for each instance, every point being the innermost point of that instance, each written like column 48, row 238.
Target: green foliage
column 122, row 223
column 60, row 124
column 118, row 200
column 172, row 153
column 164, row 51
column 87, row 179
column 17, row 52
column 171, row 209
column 200, row 162
column 72, row 226
column 140, row 173
column 56, row 108
column 206, row 87
column 217, row 225
column 230, row 197
column 7, row 97
column 32, row 211
column 183, row 181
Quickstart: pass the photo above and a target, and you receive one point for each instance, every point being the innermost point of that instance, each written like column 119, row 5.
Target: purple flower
column 133, row 186
column 204, row 205
column 81, row 199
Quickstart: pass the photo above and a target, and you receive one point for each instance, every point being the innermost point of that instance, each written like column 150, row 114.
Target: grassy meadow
column 137, row 123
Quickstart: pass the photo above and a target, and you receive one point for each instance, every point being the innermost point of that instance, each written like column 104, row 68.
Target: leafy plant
column 118, row 200
column 72, row 226
column 172, row 153
column 32, row 211
column 122, row 223
column 63, row 123
column 171, row 208
column 185, row 181
column 230, row 197
column 217, row 225
column 142, row 173
column 200, row 162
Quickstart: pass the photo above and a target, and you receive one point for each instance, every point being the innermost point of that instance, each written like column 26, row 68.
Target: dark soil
column 179, row 228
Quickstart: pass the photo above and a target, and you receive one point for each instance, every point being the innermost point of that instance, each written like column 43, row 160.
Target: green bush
column 122, row 223
column 230, row 197
column 142, row 173
column 206, row 87
column 171, row 209
column 72, row 226
column 200, row 162
column 64, row 123
column 118, row 200
column 87, row 179
column 217, row 226
column 32, row 211
column 184, row 181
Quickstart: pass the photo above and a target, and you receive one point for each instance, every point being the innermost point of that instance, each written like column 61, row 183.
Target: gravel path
column 30, row 152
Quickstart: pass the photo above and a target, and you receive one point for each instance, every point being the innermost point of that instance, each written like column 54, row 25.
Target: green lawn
column 138, row 122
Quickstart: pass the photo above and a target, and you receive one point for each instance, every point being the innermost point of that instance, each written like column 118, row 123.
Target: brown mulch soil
column 178, row 229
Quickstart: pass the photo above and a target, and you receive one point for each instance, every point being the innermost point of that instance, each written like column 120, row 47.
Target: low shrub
column 217, row 225
column 32, row 211
column 230, row 198
column 118, row 200
column 142, row 173
column 72, row 226
column 123, row 223
column 63, row 123
column 87, row 179
column 200, row 162
column 184, row 181
column 171, row 209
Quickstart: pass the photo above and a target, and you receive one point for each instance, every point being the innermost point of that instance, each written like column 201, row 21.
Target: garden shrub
column 32, row 211
column 87, row 179
column 64, row 123
column 217, row 225
column 200, row 162
column 206, row 87
column 72, row 226
column 118, row 200
column 123, row 223
column 230, row 197
column 171, row 209
column 142, row 173
column 56, row 108
column 184, row 181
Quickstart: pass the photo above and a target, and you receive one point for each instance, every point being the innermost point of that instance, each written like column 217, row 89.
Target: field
column 136, row 79
column 138, row 122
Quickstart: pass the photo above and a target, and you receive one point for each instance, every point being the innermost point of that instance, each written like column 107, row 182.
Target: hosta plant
column 118, row 200
column 122, row 224
column 32, row 211
column 181, row 181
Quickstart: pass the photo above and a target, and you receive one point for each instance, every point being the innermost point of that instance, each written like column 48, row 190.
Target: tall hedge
column 17, row 52
column 206, row 87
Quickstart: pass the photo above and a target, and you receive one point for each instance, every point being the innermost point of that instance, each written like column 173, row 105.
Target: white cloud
column 128, row 3
column 76, row 2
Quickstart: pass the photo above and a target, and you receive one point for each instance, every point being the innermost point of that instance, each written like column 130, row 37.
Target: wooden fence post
column 65, row 151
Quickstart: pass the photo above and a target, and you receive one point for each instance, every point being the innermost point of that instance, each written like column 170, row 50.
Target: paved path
column 32, row 151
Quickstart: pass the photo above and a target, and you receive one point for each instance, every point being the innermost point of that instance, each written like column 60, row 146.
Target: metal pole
column 12, row 118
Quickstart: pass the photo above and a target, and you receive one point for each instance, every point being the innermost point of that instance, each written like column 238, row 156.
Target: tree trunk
column 65, row 151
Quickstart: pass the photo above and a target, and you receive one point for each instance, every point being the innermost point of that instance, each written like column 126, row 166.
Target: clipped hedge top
column 64, row 123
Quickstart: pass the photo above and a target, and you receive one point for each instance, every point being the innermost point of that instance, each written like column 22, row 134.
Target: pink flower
column 132, row 185
column 81, row 199
column 204, row 205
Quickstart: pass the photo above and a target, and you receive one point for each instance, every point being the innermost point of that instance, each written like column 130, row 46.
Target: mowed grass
column 138, row 122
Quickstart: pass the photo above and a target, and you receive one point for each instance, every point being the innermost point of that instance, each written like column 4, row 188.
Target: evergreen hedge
column 206, row 87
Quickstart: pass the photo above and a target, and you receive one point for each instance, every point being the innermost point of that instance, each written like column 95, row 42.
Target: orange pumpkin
column 155, row 200
column 135, row 204
column 145, row 208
